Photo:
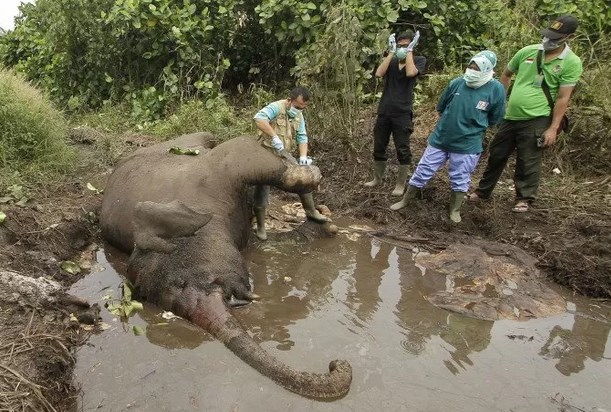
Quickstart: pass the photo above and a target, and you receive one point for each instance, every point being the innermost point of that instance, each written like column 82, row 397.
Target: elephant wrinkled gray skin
column 185, row 219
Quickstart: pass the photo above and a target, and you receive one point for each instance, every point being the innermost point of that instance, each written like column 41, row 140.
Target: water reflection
column 291, row 284
column 371, row 259
column 466, row 335
column 422, row 321
column 171, row 334
column 585, row 340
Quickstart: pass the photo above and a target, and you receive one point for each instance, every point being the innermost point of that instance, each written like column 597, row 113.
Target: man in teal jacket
column 466, row 108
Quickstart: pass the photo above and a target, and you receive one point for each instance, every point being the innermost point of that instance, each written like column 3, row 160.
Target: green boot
column 379, row 167
column 411, row 194
column 260, row 216
column 456, row 201
column 401, row 180
column 307, row 201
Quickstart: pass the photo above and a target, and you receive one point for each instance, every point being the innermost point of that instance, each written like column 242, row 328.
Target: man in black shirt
column 400, row 68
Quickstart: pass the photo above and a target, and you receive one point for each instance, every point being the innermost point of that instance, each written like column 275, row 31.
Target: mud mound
column 491, row 281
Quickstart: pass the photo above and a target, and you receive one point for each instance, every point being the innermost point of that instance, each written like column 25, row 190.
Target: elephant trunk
column 211, row 314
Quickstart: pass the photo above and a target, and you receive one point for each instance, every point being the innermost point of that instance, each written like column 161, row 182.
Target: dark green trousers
column 519, row 135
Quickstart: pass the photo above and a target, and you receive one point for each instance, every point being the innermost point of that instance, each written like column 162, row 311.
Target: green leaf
column 2, row 217
column 392, row 16
column 127, row 292
column 70, row 267
column 116, row 308
column 138, row 330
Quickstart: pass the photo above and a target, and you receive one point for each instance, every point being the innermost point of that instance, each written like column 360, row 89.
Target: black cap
column 561, row 27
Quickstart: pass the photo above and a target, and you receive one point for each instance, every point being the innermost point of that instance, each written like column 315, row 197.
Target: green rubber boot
column 260, row 216
column 456, row 201
column 379, row 167
column 307, row 201
column 401, row 180
column 411, row 194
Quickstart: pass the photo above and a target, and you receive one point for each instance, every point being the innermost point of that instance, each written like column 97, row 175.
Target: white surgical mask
column 475, row 78
column 549, row 44
column 293, row 112
column 401, row 53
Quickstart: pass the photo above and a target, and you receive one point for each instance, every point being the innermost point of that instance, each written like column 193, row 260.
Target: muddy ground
column 569, row 231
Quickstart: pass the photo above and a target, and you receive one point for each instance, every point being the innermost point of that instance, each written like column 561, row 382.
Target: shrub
column 214, row 115
column 33, row 139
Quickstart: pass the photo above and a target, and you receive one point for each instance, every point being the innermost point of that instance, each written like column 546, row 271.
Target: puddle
column 359, row 300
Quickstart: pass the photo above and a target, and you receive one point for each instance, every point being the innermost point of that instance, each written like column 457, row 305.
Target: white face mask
column 293, row 112
column 549, row 44
column 475, row 78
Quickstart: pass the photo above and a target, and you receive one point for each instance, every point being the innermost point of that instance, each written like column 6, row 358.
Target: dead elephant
column 185, row 219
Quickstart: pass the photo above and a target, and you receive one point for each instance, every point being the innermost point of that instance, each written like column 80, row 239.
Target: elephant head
column 185, row 219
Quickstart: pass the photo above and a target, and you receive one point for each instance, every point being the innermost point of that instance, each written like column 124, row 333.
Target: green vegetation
column 152, row 55
column 32, row 134
column 166, row 67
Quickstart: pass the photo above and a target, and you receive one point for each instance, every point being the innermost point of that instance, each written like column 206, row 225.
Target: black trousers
column 401, row 128
column 521, row 136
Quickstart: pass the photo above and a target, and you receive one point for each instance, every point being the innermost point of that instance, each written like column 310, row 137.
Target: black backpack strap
column 544, row 85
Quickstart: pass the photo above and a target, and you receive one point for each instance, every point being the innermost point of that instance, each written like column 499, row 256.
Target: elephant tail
column 212, row 314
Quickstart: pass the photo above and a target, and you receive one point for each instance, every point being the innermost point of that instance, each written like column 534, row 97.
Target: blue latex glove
column 305, row 160
column 277, row 143
column 410, row 47
column 392, row 43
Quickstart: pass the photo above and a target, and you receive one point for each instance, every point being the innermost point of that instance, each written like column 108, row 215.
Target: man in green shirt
column 530, row 124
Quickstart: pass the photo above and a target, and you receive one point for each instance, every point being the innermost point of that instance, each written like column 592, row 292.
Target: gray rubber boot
column 379, row 167
column 307, row 201
column 260, row 216
column 456, row 201
column 411, row 194
column 401, row 180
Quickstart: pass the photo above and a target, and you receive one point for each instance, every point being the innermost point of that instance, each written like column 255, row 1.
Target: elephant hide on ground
column 185, row 219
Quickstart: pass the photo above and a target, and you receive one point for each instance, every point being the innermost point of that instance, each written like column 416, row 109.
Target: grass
column 33, row 139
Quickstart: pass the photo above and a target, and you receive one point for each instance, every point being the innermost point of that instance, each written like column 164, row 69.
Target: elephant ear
column 156, row 224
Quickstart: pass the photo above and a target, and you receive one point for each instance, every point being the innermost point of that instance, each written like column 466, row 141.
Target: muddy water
column 360, row 300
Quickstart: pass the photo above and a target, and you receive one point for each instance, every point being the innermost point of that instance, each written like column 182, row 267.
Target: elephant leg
column 260, row 207
column 307, row 200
